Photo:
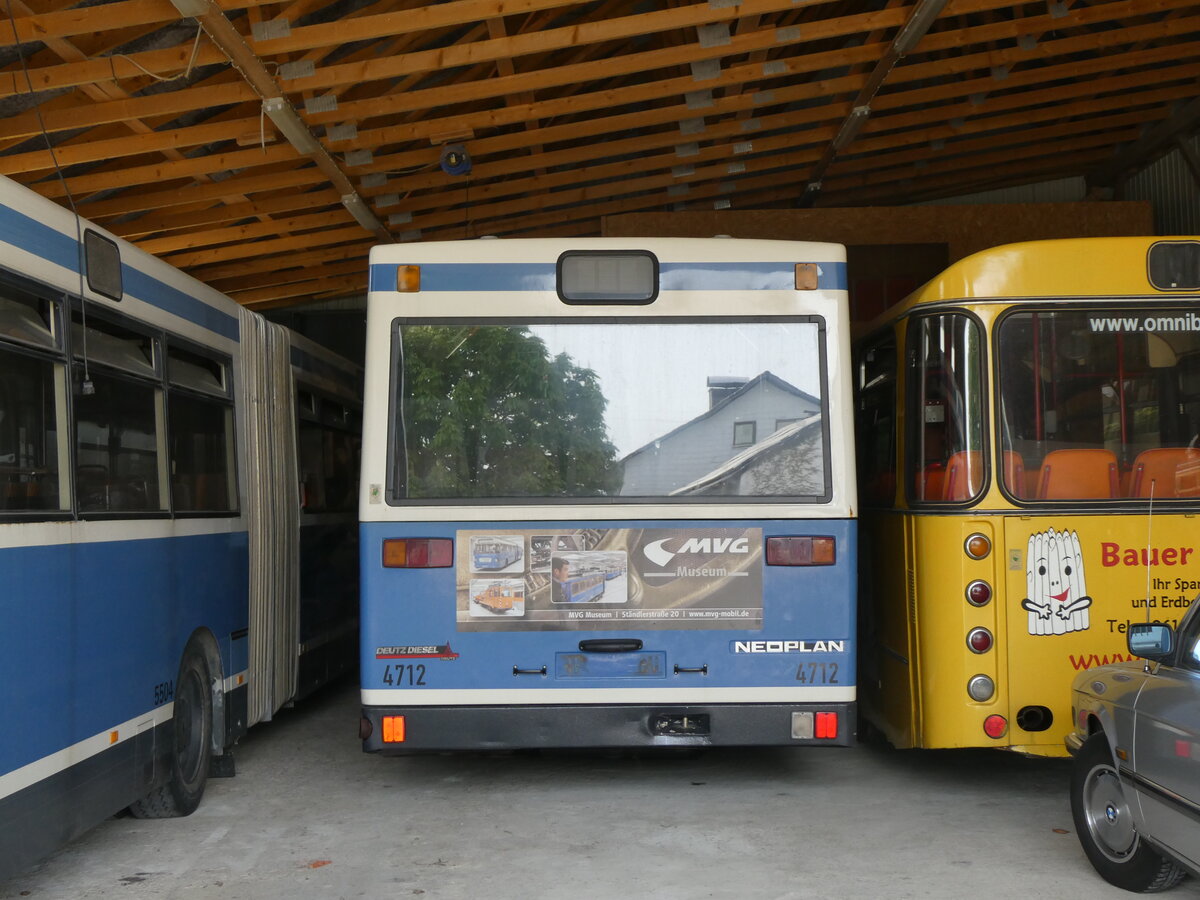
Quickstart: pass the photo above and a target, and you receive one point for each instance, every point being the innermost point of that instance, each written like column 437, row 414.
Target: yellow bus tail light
column 978, row 546
column 979, row 593
column 418, row 553
column 408, row 279
column 979, row 640
column 801, row 551
column 393, row 729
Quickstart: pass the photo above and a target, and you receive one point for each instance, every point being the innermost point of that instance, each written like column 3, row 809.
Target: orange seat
column 1014, row 475
column 931, row 482
column 1088, row 473
column 964, row 475
column 1159, row 467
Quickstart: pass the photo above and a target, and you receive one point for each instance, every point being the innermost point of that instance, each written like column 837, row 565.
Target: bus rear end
column 607, row 496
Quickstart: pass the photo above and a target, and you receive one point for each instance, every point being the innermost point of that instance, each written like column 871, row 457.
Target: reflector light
column 418, row 553
column 979, row 640
column 995, row 726
column 979, row 593
column 408, row 279
column 801, row 551
column 802, row 726
column 981, row 688
column 806, row 276
column 393, row 729
column 978, row 546
column 827, row 725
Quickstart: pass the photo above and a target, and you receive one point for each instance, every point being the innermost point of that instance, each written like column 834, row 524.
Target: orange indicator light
column 806, row 276
column 978, row 546
column 393, row 729
column 408, row 279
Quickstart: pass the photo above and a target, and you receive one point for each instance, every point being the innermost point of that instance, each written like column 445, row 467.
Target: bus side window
column 199, row 432
column 945, row 438
column 29, row 435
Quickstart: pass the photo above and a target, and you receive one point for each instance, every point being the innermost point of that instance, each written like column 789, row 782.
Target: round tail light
column 978, row 546
column 979, row 640
column 979, row 593
column 995, row 726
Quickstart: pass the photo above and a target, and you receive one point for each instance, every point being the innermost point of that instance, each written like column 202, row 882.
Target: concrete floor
column 310, row 816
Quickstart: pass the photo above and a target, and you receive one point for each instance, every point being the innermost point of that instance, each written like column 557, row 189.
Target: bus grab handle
column 610, row 645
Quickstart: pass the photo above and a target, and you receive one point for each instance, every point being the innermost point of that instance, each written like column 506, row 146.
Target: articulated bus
column 1029, row 469
column 155, row 595
column 663, row 428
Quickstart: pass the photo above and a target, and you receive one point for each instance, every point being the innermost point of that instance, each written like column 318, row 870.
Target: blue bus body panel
column 807, row 615
column 92, row 629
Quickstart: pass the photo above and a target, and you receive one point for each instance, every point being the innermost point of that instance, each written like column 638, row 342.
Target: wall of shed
column 963, row 229
column 891, row 250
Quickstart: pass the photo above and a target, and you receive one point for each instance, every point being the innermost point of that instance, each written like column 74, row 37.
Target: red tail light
column 827, row 725
column 979, row 593
column 801, row 551
column 979, row 640
column 418, row 553
column 995, row 726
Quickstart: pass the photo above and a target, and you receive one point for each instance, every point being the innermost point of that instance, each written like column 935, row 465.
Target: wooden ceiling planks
column 570, row 110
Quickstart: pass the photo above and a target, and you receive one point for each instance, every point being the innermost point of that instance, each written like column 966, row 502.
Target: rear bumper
column 632, row 726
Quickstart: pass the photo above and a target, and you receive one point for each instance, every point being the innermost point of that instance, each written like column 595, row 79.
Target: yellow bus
column 1029, row 472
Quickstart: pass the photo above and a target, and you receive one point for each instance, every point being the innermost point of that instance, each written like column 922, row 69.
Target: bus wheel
column 191, row 749
column 1104, row 823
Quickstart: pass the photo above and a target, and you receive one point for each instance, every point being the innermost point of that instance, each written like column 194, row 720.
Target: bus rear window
column 1098, row 405
column 675, row 411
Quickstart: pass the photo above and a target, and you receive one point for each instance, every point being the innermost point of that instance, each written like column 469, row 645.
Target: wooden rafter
column 571, row 110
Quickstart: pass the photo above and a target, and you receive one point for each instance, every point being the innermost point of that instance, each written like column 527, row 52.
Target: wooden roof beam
column 356, row 73
column 221, row 31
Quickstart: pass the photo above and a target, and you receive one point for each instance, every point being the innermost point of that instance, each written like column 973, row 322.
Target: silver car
column 1135, row 779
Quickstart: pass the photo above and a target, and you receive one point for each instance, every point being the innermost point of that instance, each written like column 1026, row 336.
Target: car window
column 1189, row 641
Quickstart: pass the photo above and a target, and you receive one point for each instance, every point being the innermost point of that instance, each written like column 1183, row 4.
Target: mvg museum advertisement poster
column 609, row 579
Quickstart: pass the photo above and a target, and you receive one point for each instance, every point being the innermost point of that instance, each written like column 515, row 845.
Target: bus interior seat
column 1162, row 466
column 964, row 475
column 1016, row 479
column 931, row 481
column 1079, row 473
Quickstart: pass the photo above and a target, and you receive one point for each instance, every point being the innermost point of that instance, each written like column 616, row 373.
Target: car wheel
column 1105, row 825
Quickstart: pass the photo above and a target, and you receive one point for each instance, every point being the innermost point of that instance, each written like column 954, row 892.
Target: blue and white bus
column 666, row 422
column 152, row 438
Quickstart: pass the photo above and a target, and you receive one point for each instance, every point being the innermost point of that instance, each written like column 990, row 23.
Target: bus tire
column 191, row 745
column 1104, row 823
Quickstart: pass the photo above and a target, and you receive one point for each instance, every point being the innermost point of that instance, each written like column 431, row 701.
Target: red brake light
column 418, row 553
column 979, row 640
column 827, row 725
column 995, row 726
column 979, row 593
column 801, row 551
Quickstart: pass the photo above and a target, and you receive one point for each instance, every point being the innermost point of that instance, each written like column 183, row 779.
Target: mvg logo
column 661, row 556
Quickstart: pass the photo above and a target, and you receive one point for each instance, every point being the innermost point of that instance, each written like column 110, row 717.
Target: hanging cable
column 86, row 387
